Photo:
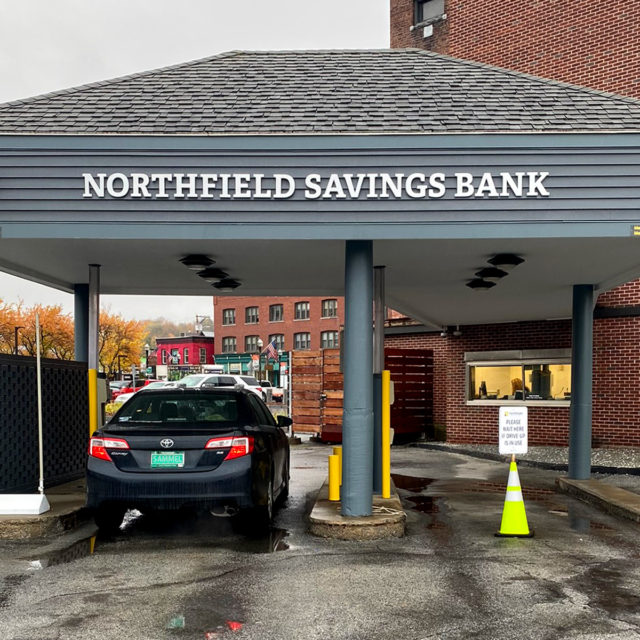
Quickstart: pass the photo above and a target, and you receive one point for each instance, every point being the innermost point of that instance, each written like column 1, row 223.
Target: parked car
column 212, row 448
column 277, row 393
column 197, row 380
column 129, row 388
column 121, row 398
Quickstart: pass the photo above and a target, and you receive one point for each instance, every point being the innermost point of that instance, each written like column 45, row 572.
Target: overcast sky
column 47, row 45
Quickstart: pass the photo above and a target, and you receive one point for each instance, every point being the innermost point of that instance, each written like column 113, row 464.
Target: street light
column 15, row 339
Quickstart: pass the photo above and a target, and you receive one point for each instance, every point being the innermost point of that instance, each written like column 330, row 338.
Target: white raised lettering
column 312, row 183
column 185, row 181
column 139, row 184
column 162, row 179
column 90, row 184
column 280, row 192
column 334, row 188
column 115, row 192
column 209, row 181
column 487, row 186
column 511, row 184
column 436, row 182
column 464, row 185
column 354, row 189
column 260, row 192
column 535, row 183
column 421, row 190
column 242, row 181
column 393, row 184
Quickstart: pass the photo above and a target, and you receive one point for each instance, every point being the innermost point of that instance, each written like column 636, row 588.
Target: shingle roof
column 298, row 92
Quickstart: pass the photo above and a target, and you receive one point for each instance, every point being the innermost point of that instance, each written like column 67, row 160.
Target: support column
column 92, row 343
column 81, row 321
column 581, row 383
column 357, row 422
column 378, row 366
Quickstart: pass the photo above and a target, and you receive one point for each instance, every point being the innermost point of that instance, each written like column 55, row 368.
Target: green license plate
column 167, row 459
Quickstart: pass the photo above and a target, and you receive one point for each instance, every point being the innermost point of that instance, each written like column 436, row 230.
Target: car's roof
column 192, row 391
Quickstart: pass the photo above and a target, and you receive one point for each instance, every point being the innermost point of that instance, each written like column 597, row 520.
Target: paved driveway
column 448, row 578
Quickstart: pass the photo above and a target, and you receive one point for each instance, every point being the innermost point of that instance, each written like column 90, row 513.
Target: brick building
column 593, row 45
column 180, row 355
column 294, row 323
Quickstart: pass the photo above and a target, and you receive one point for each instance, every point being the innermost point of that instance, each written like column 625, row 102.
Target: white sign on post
column 513, row 427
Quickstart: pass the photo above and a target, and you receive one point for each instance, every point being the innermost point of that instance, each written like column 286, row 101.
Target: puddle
column 604, row 586
column 424, row 504
column 53, row 557
column 7, row 587
column 411, row 483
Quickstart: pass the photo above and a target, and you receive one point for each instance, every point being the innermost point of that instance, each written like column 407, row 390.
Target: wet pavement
column 188, row 576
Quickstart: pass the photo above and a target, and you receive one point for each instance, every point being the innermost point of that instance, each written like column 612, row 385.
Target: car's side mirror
column 284, row 421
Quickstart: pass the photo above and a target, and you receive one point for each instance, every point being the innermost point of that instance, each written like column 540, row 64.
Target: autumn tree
column 120, row 343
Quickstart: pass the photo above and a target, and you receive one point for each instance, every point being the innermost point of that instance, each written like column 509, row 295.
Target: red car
column 130, row 389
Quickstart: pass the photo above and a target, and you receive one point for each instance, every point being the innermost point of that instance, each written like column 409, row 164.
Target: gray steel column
column 357, row 422
column 378, row 366
column 581, row 383
column 81, row 321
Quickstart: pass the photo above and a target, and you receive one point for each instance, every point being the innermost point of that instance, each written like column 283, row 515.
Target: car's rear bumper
column 230, row 484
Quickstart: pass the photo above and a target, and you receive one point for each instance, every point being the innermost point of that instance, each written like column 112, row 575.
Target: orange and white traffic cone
column 514, row 518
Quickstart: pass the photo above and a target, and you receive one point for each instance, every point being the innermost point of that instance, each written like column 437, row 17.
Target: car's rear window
column 191, row 381
column 252, row 382
column 179, row 408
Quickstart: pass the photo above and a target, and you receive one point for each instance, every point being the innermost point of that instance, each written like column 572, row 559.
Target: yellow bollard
column 337, row 451
column 93, row 401
column 386, row 434
column 334, row 484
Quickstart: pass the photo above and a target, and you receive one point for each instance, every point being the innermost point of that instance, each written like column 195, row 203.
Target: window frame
column 418, row 21
column 185, row 355
column 247, row 311
column 225, row 342
column 203, row 355
column 298, row 307
column 335, row 343
column 334, row 308
column 252, row 338
column 224, row 317
column 295, row 340
column 272, row 308
column 520, row 359
column 279, row 343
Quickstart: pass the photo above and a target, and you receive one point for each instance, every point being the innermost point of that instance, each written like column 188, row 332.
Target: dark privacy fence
column 65, row 422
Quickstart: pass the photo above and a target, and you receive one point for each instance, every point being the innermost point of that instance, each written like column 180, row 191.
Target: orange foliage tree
column 119, row 337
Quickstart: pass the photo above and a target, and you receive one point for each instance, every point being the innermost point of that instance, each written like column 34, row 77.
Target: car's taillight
column 98, row 447
column 238, row 446
column 259, row 389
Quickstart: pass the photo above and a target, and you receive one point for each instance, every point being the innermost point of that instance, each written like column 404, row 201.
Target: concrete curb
column 550, row 466
column 387, row 520
column 57, row 520
column 614, row 500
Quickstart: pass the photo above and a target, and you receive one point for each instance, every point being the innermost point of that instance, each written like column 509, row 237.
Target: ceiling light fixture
column 505, row 261
column 478, row 284
column 493, row 274
column 227, row 284
column 457, row 333
column 445, row 332
column 213, row 274
column 196, row 262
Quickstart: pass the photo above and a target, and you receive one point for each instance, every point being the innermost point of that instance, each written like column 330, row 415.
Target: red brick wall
column 593, row 44
column 315, row 325
column 616, row 380
column 626, row 295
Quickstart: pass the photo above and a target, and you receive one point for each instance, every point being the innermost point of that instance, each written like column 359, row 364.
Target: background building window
column 275, row 313
column 427, row 10
column 174, row 358
column 251, row 344
column 279, row 340
column 302, row 341
column 229, row 345
column 185, row 356
column 329, row 308
column 251, row 315
column 203, row 355
column 228, row 316
column 301, row 311
column 520, row 381
column 164, row 356
column 328, row 339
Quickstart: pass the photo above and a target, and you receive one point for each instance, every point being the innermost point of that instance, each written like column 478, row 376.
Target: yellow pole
column 93, row 401
column 386, row 434
column 337, row 451
column 334, row 484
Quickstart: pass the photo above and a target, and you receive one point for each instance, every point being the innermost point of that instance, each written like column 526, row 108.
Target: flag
column 271, row 350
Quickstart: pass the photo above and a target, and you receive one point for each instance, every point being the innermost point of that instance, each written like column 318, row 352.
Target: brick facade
column 593, row 44
column 288, row 326
column 616, row 379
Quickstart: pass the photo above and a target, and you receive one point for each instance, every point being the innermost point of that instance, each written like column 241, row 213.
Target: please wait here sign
column 513, row 430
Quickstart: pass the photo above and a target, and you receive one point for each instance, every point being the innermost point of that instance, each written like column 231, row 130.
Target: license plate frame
column 167, row 460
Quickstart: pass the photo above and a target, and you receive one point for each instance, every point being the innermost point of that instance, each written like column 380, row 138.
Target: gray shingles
column 389, row 91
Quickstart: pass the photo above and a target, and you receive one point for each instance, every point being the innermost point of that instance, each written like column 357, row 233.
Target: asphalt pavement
column 449, row 577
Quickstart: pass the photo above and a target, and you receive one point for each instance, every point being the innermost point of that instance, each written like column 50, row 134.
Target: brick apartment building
column 294, row 323
column 590, row 44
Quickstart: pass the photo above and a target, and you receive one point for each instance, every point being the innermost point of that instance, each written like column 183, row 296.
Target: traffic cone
column 514, row 519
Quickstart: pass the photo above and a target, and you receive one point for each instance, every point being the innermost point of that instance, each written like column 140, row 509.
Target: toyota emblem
column 167, row 443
